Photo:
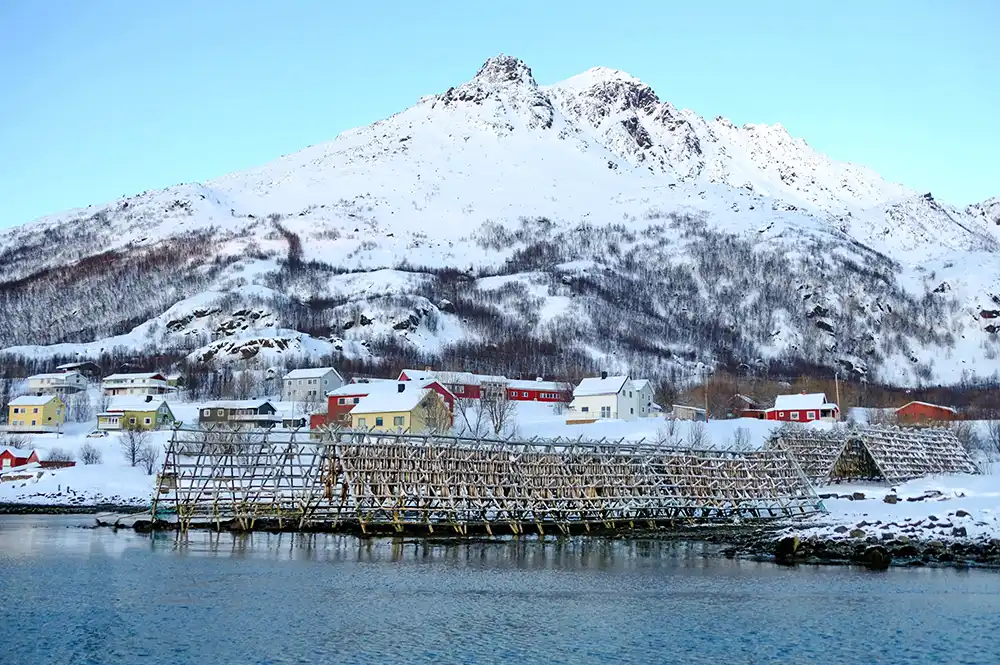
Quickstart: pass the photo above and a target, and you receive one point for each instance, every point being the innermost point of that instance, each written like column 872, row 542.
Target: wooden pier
column 375, row 482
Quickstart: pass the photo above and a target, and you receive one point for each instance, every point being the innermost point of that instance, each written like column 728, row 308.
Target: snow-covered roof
column 699, row 409
column 122, row 377
column 640, row 384
column 355, row 389
column 16, row 452
column 454, row 378
column 595, row 385
column 235, row 404
column 53, row 375
column 390, row 401
column 933, row 406
column 803, row 401
column 134, row 404
column 32, row 400
column 311, row 373
column 553, row 386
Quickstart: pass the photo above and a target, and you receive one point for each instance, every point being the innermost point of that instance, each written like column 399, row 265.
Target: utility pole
column 705, row 379
column 836, row 383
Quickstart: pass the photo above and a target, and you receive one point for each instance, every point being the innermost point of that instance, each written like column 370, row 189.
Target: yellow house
column 36, row 413
column 146, row 413
column 396, row 409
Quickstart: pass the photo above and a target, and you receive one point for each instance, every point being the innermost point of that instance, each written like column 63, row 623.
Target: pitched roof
column 32, row 400
column 17, row 452
column 933, row 406
column 311, row 373
column 461, row 378
column 640, row 384
column 53, row 375
column 138, row 404
column 390, row 401
column 799, row 402
column 595, row 385
column 146, row 375
column 355, row 389
column 236, row 404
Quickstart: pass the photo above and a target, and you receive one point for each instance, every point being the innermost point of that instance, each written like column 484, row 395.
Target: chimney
column 604, row 375
column 149, row 398
column 401, row 387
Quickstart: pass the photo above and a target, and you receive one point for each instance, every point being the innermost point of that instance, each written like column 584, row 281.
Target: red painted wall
column 922, row 413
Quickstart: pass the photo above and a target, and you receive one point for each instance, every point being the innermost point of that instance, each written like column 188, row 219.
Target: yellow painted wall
column 370, row 420
column 50, row 414
column 156, row 420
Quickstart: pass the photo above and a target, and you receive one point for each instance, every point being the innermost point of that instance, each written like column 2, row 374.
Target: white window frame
column 810, row 415
column 795, row 415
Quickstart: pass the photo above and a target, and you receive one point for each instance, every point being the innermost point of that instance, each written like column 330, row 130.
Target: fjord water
column 92, row 596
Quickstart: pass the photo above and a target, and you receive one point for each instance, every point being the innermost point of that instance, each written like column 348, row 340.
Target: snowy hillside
column 524, row 228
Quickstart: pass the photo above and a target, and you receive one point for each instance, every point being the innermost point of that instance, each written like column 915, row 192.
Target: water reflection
column 97, row 596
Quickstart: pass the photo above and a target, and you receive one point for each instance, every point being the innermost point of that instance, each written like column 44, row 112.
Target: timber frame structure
column 887, row 454
column 343, row 480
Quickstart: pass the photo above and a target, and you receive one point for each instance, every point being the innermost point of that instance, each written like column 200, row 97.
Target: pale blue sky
column 110, row 98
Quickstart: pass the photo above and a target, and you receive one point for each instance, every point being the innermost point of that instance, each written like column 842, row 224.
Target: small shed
column 683, row 412
column 12, row 457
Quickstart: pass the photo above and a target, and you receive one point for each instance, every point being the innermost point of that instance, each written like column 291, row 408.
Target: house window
column 398, row 421
column 378, row 421
column 35, row 410
column 32, row 422
column 781, row 414
column 219, row 412
column 357, row 399
column 16, row 410
column 460, row 389
column 131, row 421
column 585, row 409
column 342, row 401
column 795, row 415
column 362, row 422
column 605, row 412
column 631, row 411
column 810, row 415
column 524, row 394
column 148, row 421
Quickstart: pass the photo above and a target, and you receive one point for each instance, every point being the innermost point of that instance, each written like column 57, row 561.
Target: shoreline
column 781, row 543
column 69, row 509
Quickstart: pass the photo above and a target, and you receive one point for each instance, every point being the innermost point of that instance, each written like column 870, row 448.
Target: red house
column 11, row 457
column 341, row 401
column 466, row 385
column 538, row 391
column 924, row 412
column 802, row 408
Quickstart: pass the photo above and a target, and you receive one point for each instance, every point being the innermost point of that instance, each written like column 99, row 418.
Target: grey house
column 238, row 413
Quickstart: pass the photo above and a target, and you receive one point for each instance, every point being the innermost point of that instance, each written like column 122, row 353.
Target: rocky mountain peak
column 505, row 69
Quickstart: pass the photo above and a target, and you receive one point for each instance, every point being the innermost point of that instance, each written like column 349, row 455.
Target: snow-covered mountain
column 531, row 229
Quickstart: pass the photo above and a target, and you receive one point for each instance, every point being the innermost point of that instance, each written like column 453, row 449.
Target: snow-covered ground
column 114, row 480
column 940, row 507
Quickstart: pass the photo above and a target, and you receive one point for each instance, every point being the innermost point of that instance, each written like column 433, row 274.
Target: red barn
column 11, row 457
column 341, row 401
column 924, row 412
column 802, row 408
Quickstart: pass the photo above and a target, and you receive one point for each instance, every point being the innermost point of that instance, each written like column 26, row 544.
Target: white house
column 310, row 385
column 644, row 398
column 135, row 384
column 57, row 383
column 612, row 397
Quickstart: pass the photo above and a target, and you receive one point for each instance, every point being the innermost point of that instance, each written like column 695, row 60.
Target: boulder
column 961, row 513
column 858, row 496
column 959, row 532
column 841, row 529
column 891, row 498
column 858, row 533
column 786, row 548
column 877, row 558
